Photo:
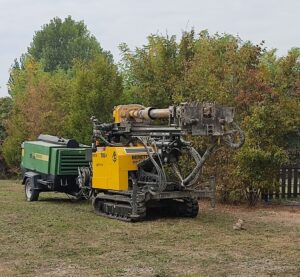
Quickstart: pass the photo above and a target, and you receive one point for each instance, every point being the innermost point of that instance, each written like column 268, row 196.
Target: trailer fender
column 33, row 177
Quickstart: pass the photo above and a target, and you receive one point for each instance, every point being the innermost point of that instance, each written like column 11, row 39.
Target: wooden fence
column 289, row 179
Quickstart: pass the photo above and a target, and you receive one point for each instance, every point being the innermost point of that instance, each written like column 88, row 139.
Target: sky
column 116, row 21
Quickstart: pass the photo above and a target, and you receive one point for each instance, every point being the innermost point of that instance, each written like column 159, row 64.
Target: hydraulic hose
column 162, row 176
column 192, row 177
column 232, row 144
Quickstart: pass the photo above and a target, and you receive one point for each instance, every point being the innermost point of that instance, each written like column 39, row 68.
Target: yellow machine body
column 111, row 166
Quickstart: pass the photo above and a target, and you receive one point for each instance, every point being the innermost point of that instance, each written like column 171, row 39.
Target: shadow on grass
column 153, row 214
column 161, row 213
column 70, row 200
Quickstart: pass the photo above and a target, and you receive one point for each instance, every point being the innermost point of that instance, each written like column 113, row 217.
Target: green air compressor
column 51, row 164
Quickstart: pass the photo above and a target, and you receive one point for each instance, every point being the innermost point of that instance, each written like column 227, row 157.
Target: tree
column 258, row 162
column 59, row 42
column 5, row 109
column 152, row 72
column 59, row 102
column 63, row 79
column 39, row 100
column 57, row 45
column 97, row 89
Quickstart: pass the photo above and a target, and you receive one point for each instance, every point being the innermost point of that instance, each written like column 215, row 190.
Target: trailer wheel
column 30, row 193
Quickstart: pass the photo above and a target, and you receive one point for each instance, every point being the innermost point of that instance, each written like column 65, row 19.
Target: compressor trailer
column 134, row 163
column 51, row 164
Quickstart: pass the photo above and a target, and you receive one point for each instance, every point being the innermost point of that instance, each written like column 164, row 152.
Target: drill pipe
column 150, row 113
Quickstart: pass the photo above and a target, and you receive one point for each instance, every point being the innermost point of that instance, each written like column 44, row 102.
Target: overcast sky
column 130, row 21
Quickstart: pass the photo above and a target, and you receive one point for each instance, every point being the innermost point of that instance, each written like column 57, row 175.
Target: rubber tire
column 30, row 193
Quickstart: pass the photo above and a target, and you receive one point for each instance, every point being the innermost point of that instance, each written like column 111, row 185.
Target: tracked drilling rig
column 134, row 163
column 132, row 157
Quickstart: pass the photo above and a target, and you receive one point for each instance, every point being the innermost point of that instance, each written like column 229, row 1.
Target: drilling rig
column 132, row 158
column 135, row 162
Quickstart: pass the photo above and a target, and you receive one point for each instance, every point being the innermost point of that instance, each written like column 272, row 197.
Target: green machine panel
column 54, row 159
column 68, row 160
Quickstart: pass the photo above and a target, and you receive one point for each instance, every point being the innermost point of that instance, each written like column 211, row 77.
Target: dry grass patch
column 59, row 237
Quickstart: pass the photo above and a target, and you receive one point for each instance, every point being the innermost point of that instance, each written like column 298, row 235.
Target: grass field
column 59, row 237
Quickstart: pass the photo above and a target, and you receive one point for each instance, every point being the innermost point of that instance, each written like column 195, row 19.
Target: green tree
column 152, row 72
column 63, row 79
column 206, row 68
column 39, row 99
column 5, row 109
column 258, row 162
column 97, row 89
column 59, row 42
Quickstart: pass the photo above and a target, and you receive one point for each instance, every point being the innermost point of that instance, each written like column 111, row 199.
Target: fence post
column 296, row 176
column 289, row 183
column 212, row 184
column 283, row 182
column 277, row 191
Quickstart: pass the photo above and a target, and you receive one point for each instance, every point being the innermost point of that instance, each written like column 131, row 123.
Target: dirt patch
column 5, row 270
column 61, row 270
column 288, row 215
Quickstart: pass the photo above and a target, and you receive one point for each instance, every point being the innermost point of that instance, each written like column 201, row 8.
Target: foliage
column 258, row 161
column 38, row 98
column 269, row 124
column 59, row 42
column 223, row 68
column 97, row 88
column 151, row 72
column 60, row 103
column 63, row 79
column 5, row 108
